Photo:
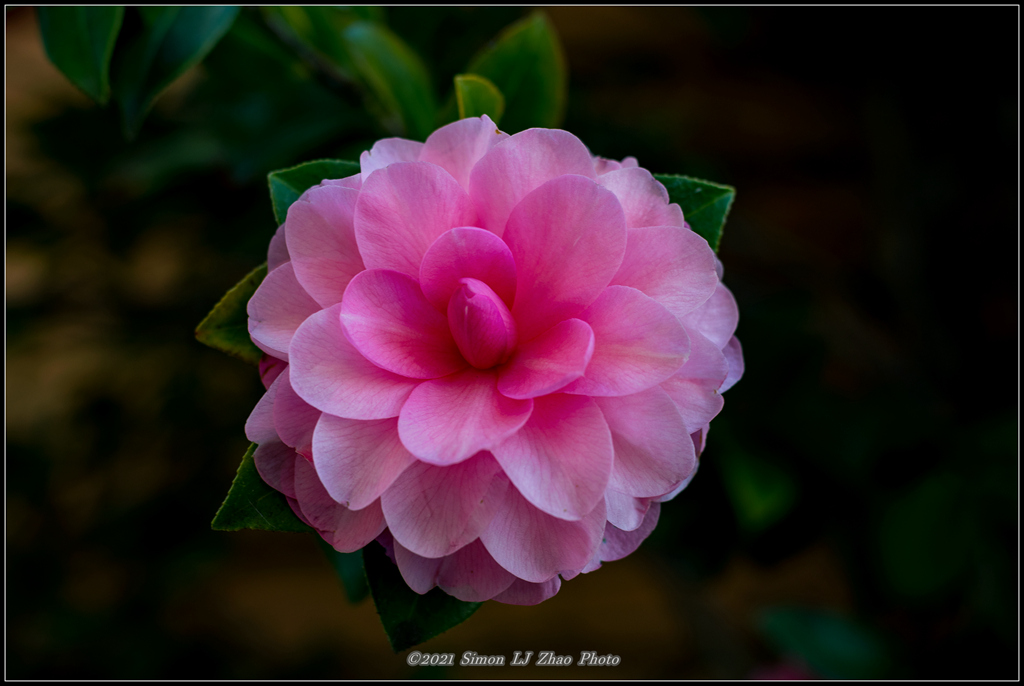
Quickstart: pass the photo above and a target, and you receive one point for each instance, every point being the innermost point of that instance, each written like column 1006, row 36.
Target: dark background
column 863, row 471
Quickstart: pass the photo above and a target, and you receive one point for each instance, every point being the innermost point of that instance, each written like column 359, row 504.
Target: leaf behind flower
column 477, row 96
column 705, row 204
column 252, row 504
column 287, row 185
column 226, row 328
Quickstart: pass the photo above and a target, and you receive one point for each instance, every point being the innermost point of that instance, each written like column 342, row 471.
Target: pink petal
column 462, row 252
column 536, row 546
column 644, row 200
column 567, row 238
column 676, row 268
column 637, row 344
column 448, row 420
column 561, row 459
column 526, row 593
column 294, row 504
column 694, row 388
column 259, row 427
column 458, row 146
column 276, row 309
column 277, row 253
column 346, row 530
column 294, row 418
column 653, row 450
column 675, row 491
column 388, row 151
column 270, row 368
column 734, row 356
column 481, row 324
column 717, row 318
column 519, row 164
column 618, row 544
column 418, row 571
column 402, row 209
column 275, row 463
column 322, row 241
column 357, row 460
column 549, row 362
column 433, row 511
column 355, row 181
column 388, row 319
column 625, row 511
column 471, row 574
column 603, row 165
column 331, row 375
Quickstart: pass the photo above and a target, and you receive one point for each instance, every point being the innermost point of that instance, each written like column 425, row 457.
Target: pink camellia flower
column 497, row 355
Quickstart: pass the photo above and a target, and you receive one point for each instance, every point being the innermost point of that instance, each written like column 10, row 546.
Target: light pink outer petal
column 433, row 511
column 388, row 151
column 294, row 418
column 637, row 344
column 644, row 199
column 653, row 450
column 458, row 146
column 357, row 460
column 567, row 237
column 277, row 252
column 694, row 388
column 676, row 268
column 625, row 511
column 388, row 319
column 536, row 546
column 276, row 310
column 561, row 459
column 519, row 164
column 322, row 241
column 549, row 362
column 275, row 463
column 717, row 318
column 418, row 571
column 675, row 491
column 471, row 574
column 402, row 209
column 526, row 593
column 618, row 544
column 446, row 421
column 355, row 181
column 259, row 427
column 331, row 375
column 467, row 252
column 346, row 530
column 734, row 356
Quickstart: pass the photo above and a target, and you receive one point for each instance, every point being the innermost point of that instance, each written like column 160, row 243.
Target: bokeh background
column 856, row 512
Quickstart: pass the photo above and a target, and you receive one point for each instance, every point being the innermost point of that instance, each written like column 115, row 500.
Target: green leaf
column 286, row 185
column 172, row 40
column 226, row 328
column 832, row 646
column 80, row 42
column 349, row 567
column 476, row 96
column 705, row 204
column 395, row 77
column 527, row 65
column 408, row 617
column 252, row 504
column 761, row 493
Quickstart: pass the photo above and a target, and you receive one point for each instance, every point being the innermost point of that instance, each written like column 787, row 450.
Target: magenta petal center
column 481, row 324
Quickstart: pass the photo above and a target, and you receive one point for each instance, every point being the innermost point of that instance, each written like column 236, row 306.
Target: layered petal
column 387, row 151
column 625, row 511
column 277, row 252
column 259, row 427
column 561, row 460
column 433, row 511
column 694, row 388
column 676, row 268
column 536, row 546
column 653, row 450
column 270, row 368
column 418, row 571
column 526, row 593
column 716, row 318
column 275, row 463
column 402, row 209
column 276, row 310
column 332, row 376
column 448, row 420
column 567, row 238
column 357, row 460
column 457, row 147
column 294, row 418
column 519, row 164
column 734, row 357
column 322, row 241
column 549, row 362
column 479, row 321
column 637, row 344
column 345, row 530
column 467, row 252
column 388, row 319
column 471, row 574
column 644, row 200
column 618, row 544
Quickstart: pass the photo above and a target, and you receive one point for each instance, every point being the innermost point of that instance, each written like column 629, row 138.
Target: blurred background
column 856, row 512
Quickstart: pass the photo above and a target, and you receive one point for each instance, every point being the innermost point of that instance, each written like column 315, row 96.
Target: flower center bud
column 481, row 324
